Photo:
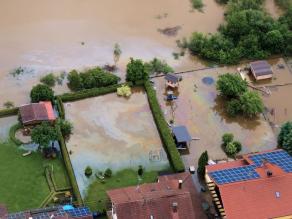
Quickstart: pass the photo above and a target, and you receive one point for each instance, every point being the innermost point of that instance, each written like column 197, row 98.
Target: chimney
column 269, row 173
column 174, row 207
column 180, row 182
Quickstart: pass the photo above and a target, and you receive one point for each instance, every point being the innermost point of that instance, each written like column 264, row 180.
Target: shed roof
column 172, row 77
column 181, row 134
column 261, row 68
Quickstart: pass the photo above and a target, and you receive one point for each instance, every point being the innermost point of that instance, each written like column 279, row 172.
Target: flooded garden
column 113, row 132
column 200, row 109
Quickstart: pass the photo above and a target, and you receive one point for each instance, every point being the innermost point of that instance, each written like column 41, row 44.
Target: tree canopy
column 41, row 92
column 285, row 137
column 43, row 134
column 136, row 70
column 251, row 103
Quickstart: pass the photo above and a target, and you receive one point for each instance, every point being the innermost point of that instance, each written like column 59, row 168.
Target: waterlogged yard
column 202, row 112
column 113, row 132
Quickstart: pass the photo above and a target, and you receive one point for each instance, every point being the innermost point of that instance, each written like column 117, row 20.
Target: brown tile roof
column 149, row 199
column 36, row 112
column 262, row 197
column 260, row 68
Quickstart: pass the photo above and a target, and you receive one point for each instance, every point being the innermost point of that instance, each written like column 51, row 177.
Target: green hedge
column 60, row 107
column 69, row 167
column 12, row 132
column 165, row 133
column 79, row 95
column 9, row 112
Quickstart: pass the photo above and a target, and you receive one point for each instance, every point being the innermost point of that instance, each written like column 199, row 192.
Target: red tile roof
column 149, row 199
column 259, row 198
column 37, row 112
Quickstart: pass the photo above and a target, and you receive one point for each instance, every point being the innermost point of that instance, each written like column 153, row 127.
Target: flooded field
column 113, row 132
column 201, row 111
column 50, row 35
column 5, row 125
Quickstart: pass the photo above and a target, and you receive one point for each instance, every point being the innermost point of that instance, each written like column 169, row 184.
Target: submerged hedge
column 60, row 107
column 12, row 132
column 162, row 126
column 69, row 167
column 9, row 112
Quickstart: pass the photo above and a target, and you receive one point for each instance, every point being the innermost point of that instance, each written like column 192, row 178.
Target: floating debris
column 170, row 31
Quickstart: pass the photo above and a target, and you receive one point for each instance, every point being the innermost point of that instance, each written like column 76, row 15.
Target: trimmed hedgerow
column 69, row 167
column 60, row 107
column 9, row 112
column 163, row 129
column 12, row 132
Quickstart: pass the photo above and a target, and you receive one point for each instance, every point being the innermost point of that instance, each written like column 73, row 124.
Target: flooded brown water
column 272, row 8
column 47, row 35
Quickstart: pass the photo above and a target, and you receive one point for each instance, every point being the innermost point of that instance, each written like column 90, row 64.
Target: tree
column 203, row 161
column 227, row 138
column 43, row 134
column 158, row 66
column 49, row 80
column 285, row 137
column 117, row 53
column 233, row 107
column 231, row 149
column 251, row 103
column 41, row 92
column 74, row 79
column 274, row 41
column 66, row 127
column 136, row 70
column 231, row 85
column 108, row 173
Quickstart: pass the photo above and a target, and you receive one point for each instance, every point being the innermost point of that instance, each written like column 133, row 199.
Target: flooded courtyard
column 202, row 112
column 5, row 124
column 113, row 132
column 52, row 36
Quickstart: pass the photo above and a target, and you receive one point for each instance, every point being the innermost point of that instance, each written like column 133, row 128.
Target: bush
column 66, row 127
column 231, row 149
column 197, row 4
column 74, row 80
column 8, row 104
column 124, row 91
column 251, row 104
column 79, row 95
column 285, row 137
column 227, row 138
column 88, row 171
column 69, row 167
column 43, row 134
column 108, row 173
column 140, row 171
column 12, row 132
column 60, row 107
column 136, row 70
column 231, row 85
column 49, row 80
column 41, row 92
column 233, row 107
column 158, row 66
column 164, row 131
column 203, row 161
column 9, row 112
column 238, row 146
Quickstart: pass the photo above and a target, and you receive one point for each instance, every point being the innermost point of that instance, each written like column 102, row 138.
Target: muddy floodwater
column 5, row 124
column 113, row 132
column 52, row 35
column 202, row 112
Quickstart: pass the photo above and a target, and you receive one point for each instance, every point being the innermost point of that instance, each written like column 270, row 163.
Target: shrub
column 136, row 70
column 197, row 4
column 49, row 80
column 158, row 66
column 88, row 171
column 251, row 103
column 238, row 146
column 164, row 131
column 203, row 161
column 12, row 132
column 8, row 104
column 285, row 137
column 233, row 107
column 140, row 170
column 9, row 112
column 74, row 80
column 66, row 127
column 231, row 85
column 124, row 91
column 108, row 173
column 227, row 138
column 41, row 92
column 231, row 149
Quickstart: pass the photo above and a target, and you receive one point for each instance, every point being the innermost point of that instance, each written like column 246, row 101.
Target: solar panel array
column 19, row 215
column 79, row 212
column 234, row 174
column 280, row 158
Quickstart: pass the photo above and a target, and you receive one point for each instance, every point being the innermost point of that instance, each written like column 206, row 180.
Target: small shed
column 172, row 80
column 181, row 136
column 261, row 70
column 36, row 113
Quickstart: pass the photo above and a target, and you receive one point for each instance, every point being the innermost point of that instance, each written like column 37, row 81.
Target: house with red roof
column 258, row 186
column 172, row 197
column 36, row 113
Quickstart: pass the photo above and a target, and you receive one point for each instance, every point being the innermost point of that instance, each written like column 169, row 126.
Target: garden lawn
column 23, row 184
column 96, row 198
